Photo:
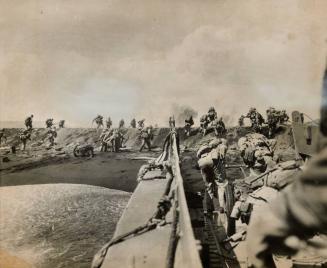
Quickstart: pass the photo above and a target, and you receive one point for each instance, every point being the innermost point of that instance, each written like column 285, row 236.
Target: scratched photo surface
column 146, row 59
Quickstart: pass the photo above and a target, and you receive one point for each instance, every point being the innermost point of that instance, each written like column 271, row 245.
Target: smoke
column 182, row 112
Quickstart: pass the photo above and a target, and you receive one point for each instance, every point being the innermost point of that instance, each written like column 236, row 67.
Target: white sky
column 74, row 59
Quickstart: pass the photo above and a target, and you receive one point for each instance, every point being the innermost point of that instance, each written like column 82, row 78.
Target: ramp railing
column 187, row 248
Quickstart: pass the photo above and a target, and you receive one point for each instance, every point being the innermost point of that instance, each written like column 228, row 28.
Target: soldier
column 24, row 137
column 212, row 114
column 241, row 121
column 108, row 122
column 272, row 121
column 172, row 122
column 257, row 152
column 121, row 123
column 140, row 124
column 133, row 123
column 29, row 122
column 98, row 120
column 188, row 124
column 219, row 127
column 49, row 122
column 2, row 135
column 105, row 139
column 283, row 117
column 298, row 214
column 146, row 136
column 256, row 119
column 61, row 124
column 204, row 122
column 52, row 134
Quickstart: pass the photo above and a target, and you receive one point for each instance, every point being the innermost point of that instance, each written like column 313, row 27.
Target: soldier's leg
column 142, row 145
column 148, row 144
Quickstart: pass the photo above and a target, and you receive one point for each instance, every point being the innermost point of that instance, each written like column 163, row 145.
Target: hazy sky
column 74, row 59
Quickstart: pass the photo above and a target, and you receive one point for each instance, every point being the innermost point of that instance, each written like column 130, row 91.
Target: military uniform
column 188, row 124
column 98, row 120
column 28, row 122
column 299, row 212
column 146, row 136
column 2, row 135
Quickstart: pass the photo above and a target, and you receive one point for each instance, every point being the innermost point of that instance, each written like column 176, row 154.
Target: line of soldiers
column 211, row 121
column 274, row 117
column 99, row 122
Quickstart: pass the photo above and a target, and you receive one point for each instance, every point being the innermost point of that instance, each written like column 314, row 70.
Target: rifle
column 288, row 167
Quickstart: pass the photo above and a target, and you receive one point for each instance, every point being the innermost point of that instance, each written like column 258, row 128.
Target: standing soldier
column 98, row 120
column 29, row 122
column 172, row 122
column 272, row 121
column 108, row 122
column 2, row 135
column 146, row 136
column 133, row 123
column 61, row 123
column 49, row 122
column 121, row 123
column 24, row 137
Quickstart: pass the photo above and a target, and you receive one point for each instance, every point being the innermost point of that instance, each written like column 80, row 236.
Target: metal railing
column 187, row 251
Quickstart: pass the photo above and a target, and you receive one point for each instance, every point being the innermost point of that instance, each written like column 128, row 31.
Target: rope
column 312, row 120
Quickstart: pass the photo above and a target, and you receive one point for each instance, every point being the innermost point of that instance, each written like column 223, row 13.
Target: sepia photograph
column 163, row 134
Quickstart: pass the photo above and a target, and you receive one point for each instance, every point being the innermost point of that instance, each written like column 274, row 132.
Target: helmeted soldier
column 24, row 136
column 140, row 124
column 272, row 121
column 98, row 120
column 212, row 114
column 52, row 134
column 133, row 123
column 188, row 124
column 256, row 119
column 204, row 122
column 283, row 117
column 108, row 122
column 146, row 136
column 29, row 122
column 121, row 123
column 61, row 124
column 49, row 122
column 219, row 127
column 2, row 135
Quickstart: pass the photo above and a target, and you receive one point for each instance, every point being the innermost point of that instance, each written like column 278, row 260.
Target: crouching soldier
column 52, row 134
column 24, row 137
column 146, row 136
column 61, row 124
column 49, row 122
column 219, row 127
column 204, row 122
column 188, row 124
column 212, row 165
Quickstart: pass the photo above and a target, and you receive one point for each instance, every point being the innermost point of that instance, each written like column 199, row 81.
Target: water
column 58, row 225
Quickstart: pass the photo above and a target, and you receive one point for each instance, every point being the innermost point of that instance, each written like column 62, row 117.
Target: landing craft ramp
column 155, row 229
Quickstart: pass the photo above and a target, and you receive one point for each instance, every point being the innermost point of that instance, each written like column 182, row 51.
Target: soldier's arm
column 300, row 211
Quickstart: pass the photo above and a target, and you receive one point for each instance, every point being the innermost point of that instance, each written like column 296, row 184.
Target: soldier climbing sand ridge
column 133, row 123
column 49, row 122
column 121, row 123
column 98, row 120
column 61, row 124
column 51, row 134
column 108, row 122
column 24, row 136
column 256, row 119
column 2, row 136
column 29, row 122
column 189, row 122
column 146, row 136
column 140, row 124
